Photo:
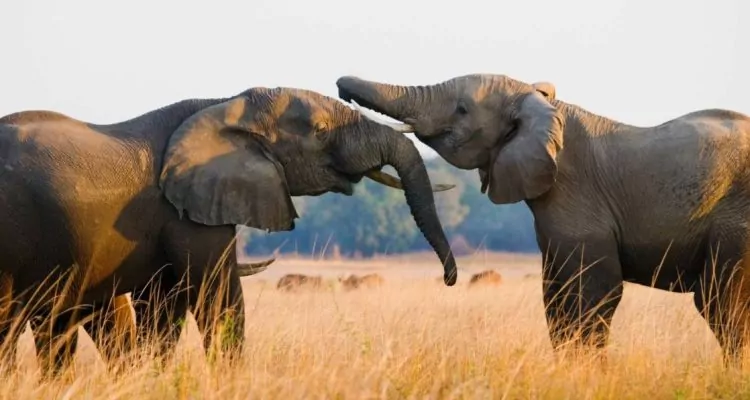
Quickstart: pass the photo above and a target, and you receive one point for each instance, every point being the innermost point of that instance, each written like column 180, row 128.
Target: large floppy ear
column 545, row 88
column 218, row 169
column 526, row 167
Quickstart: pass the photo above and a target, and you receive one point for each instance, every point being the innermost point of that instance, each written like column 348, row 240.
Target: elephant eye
column 320, row 128
column 461, row 108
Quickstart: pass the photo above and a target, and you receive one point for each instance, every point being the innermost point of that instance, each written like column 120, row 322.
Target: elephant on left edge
column 153, row 201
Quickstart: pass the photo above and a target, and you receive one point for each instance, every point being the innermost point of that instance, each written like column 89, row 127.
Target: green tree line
column 376, row 220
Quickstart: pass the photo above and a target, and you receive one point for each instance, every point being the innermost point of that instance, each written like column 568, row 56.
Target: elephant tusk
column 396, row 126
column 253, row 268
column 391, row 181
column 485, row 180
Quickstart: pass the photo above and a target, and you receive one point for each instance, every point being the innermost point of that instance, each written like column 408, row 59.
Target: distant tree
column 376, row 219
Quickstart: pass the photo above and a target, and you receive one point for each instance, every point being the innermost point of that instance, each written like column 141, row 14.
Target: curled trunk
column 411, row 169
column 387, row 147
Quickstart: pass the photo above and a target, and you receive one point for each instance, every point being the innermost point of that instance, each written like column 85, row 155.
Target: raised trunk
column 399, row 102
column 384, row 146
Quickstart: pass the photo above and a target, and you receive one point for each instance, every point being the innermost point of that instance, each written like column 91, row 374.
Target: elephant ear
column 218, row 170
column 526, row 167
column 546, row 88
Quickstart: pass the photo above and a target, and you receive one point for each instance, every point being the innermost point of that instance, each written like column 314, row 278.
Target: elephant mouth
column 334, row 182
column 345, row 185
column 345, row 182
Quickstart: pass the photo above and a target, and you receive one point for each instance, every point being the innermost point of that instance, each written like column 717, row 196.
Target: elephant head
column 507, row 129
column 240, row 161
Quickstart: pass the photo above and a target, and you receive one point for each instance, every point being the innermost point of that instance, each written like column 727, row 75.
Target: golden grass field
column 413, row 338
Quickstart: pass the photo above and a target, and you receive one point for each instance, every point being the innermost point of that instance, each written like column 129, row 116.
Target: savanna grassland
column 412, row 338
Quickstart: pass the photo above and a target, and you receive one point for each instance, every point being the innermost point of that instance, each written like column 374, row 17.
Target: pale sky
column 641, row 62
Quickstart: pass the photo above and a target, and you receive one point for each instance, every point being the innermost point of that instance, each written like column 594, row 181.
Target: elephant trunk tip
column 346, row 85
column 410, row 167
column 450, row 276
column 347, row 79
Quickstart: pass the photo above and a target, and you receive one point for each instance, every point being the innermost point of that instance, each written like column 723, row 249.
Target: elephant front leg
column 205, row 257
column 160, row 312
column 220, row 314
column 583, row 286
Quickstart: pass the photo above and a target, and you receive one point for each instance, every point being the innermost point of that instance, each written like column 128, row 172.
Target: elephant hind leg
column 723, row 299
column 12, row 322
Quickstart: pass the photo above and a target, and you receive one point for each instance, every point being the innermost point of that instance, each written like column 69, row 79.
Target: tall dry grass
column 413, row 339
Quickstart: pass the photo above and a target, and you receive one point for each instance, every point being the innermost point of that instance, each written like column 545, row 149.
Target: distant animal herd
column 300, row 282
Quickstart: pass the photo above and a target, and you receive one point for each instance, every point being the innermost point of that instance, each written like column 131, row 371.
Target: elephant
column 111, row 323
column 153, row 201
column 665, row 206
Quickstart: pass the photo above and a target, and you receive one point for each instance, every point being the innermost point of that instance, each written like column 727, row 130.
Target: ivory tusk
column 253, row 268
column 391, row 181
column 396, row 126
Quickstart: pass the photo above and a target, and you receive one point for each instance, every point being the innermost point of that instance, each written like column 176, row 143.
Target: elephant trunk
column 388, row 147
column 405, row 158
column 399, row 102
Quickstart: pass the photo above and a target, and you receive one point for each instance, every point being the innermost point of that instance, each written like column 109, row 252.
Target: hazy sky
column 641, row 62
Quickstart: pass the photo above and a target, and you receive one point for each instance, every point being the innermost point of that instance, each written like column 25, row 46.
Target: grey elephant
column 665, row 205
column 111, row 325
column 153, row 202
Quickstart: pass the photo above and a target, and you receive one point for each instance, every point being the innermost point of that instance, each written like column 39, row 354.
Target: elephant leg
column 7, row 340
column 169, row 317
column 582, row 288
column 723, row 299
column 112, row 328
column 160, row 311
column 56, row 337
column 221, row 315
column 10, row 331
column 206, row 257
column 12, row 322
